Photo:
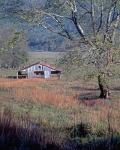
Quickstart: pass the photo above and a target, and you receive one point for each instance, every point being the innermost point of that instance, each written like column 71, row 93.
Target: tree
column 13, row 48
column 95, row 25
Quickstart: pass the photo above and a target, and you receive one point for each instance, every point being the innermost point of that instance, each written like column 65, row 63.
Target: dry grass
column 24, row 132
column 103, row 116
column 29, row 89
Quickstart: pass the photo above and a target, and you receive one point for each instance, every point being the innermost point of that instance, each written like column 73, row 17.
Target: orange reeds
column 37, row 94
column 97, row 112
column 29, row 89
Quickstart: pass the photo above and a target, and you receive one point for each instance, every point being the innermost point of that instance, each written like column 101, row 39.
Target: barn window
column 39, row 67
column 55, row 72
column 39, row 72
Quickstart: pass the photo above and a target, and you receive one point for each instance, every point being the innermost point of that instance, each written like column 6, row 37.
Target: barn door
column 47, row 74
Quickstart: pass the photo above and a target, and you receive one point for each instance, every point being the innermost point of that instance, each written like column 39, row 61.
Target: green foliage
column 80, row 130
column 14, row 49
column 16, row 38
column 57, row 6
column 71, row 58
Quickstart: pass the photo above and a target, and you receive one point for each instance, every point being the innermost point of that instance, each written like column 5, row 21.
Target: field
column 49, row 57
column 58, row 114
column 59, row 108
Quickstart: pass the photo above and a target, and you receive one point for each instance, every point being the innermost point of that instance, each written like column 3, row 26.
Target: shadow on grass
column 110, row 143
column 115, row 89
column 89, row 96
column 87, row 93
column 82, row 138
column 18, row 134
column 80, row 88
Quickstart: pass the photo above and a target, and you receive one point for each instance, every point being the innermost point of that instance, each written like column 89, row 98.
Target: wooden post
column 17, row 74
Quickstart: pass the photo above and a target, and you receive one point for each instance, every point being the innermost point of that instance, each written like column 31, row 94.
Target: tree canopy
column 13, row 48
column 92, row 25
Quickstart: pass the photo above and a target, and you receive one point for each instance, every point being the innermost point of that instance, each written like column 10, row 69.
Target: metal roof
column 43, row 64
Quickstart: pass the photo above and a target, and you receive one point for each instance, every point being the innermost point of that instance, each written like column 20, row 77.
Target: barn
column 39, row 70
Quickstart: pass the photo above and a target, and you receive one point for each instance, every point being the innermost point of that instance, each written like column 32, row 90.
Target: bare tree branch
column 101, row 18
column 115, row 27
column 52, row 30
column 93, row 18
column 75, row 21
column 109, row 16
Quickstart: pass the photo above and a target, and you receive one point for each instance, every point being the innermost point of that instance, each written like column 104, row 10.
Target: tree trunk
column 104, row 90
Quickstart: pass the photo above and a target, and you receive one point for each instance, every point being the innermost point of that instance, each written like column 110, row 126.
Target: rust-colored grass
column 99, row 113
column 29, row 89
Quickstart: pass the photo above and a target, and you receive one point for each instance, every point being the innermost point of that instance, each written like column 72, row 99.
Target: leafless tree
column 95, row 22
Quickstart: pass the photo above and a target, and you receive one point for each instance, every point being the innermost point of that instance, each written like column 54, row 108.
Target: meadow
column 62, row 111
column 58, row 114
column 49, row 57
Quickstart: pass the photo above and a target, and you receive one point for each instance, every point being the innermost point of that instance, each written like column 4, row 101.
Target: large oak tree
column 90, row 23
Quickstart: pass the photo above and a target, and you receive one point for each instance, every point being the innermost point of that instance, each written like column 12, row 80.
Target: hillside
column 37, row 37
column 59, row 75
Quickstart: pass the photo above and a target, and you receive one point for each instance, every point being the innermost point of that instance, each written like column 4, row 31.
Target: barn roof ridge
column 44, row 64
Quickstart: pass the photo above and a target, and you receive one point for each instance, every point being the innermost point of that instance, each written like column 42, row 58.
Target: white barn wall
column 38, row 71
column 39, row 67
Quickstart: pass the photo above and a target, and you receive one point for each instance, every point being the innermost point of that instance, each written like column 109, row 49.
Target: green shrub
column 80, row 130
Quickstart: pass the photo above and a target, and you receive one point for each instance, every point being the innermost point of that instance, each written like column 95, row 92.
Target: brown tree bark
column 103, row 86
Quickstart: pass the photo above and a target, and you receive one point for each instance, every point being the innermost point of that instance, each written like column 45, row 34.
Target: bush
column 80, row 130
